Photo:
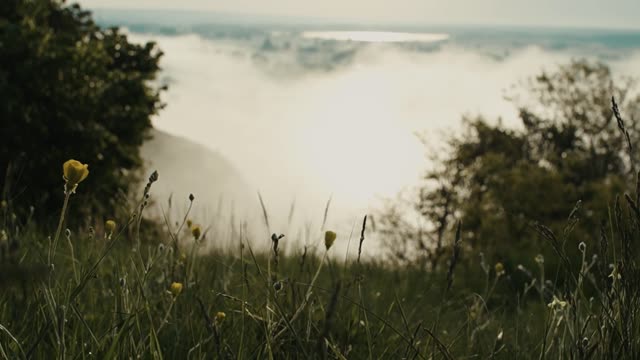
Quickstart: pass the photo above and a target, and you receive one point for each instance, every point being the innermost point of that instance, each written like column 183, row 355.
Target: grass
column 110, row 296
column 126, row 292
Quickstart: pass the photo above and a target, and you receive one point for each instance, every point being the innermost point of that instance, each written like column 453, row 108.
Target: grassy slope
column 110, row 298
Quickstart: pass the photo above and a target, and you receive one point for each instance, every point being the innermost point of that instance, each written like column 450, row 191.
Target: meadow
column 530, row 249
column 133, row 288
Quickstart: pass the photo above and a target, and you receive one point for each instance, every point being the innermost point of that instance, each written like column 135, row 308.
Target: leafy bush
column 70, row 89
column 567, row 151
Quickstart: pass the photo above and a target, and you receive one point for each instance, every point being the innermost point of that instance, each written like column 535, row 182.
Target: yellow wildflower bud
column 110, row 226
column 183, row 257
column 196, row 231
column 189, row 223
column 557, row 304
column 499, row 269
column 74, row 172
column 176, row 288
column 220, row 317
column 329, row 238
column 3, row 204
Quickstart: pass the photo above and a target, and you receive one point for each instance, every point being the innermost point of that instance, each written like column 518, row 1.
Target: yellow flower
column 615, row 274
column 110, row 226
column 189, row 223
column 329, row 238
column 74, row 172
column 557, row 304
column 220, row 317
column 196, row 231
column 499, row 269
column 176, row 288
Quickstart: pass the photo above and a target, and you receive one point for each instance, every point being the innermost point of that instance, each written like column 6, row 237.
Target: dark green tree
column 70, row 89
column 567, row 150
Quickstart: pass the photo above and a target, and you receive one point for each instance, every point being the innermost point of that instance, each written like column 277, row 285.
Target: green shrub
column 567, row 148
column 70, row 89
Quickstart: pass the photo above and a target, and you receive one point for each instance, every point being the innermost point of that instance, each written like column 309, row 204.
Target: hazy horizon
column 618, row 14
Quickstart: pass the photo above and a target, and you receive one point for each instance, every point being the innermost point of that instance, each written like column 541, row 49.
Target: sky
column 556, row 13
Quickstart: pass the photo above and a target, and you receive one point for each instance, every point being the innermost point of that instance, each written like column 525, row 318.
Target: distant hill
column 186, row 167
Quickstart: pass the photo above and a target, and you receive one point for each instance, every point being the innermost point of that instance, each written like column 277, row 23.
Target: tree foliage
column 566, row 153
column 70, row 89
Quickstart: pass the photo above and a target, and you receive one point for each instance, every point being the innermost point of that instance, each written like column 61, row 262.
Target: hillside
column 187, row 168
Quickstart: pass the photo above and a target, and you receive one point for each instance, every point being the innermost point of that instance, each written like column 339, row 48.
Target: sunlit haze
column 311, row 112
column 350, row 132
